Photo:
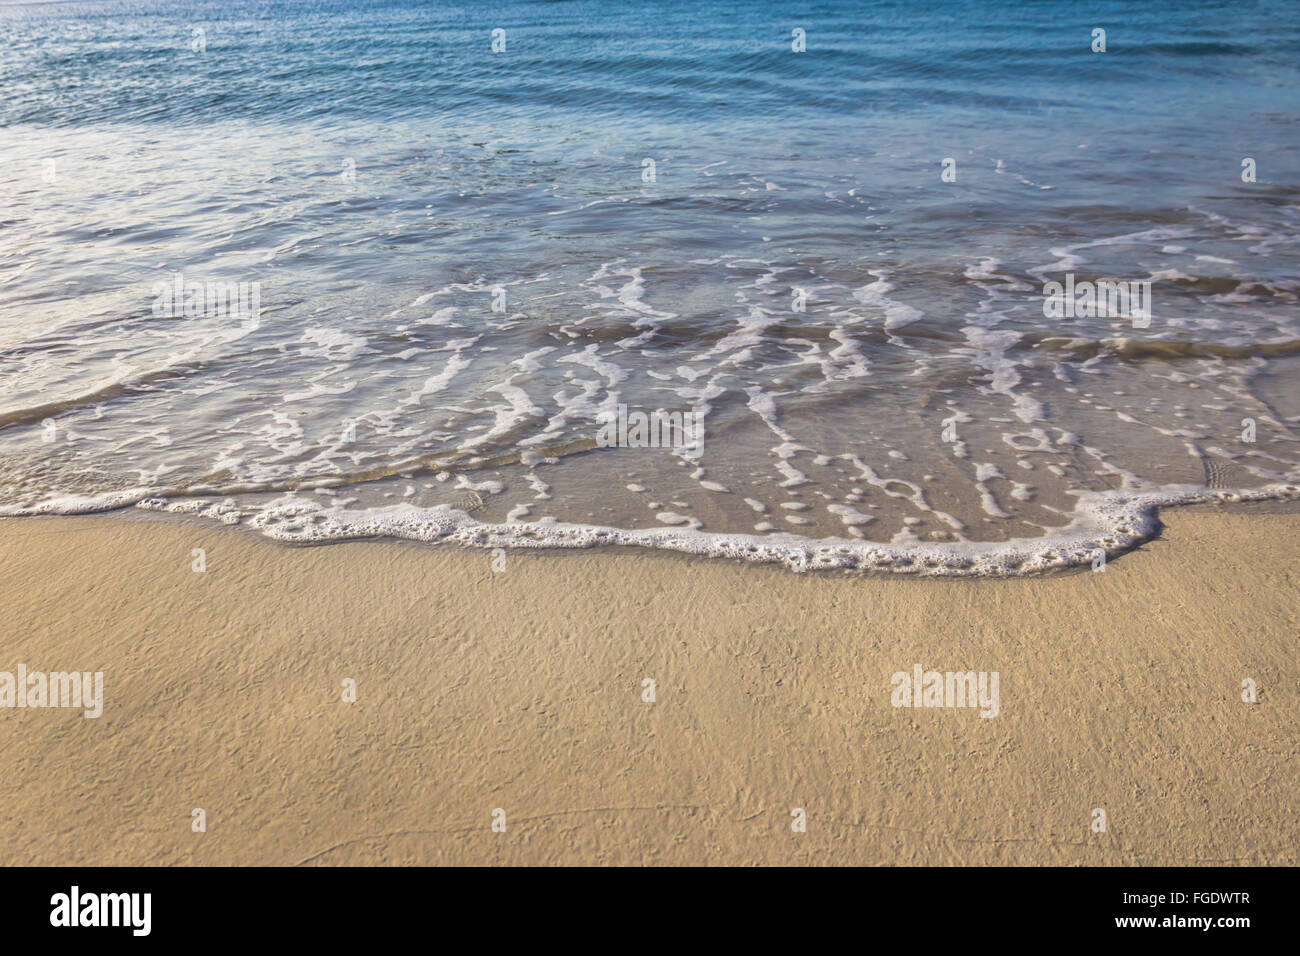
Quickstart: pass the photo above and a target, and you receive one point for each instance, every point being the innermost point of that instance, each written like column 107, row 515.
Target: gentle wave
column 468, row 261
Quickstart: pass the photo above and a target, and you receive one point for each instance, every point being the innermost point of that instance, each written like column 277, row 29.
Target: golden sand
column 523, row 690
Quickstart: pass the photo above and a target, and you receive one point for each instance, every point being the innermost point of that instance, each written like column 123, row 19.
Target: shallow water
column 463, row 268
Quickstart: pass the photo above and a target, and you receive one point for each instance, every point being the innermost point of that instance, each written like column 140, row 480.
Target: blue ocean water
column 475, row 232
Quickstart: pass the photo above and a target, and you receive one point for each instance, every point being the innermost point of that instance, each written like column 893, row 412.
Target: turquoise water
column 464, row 266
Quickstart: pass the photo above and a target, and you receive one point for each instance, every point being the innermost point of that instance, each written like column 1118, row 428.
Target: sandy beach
column 524, row 690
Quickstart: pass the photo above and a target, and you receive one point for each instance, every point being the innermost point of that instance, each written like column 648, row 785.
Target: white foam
column 876, row 296
column 849, row 516
column 1110, row 522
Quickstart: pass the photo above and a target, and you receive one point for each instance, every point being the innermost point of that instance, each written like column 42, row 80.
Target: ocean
column 948, row 289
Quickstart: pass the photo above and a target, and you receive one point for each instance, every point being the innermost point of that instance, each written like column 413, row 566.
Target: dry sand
column 522, row 690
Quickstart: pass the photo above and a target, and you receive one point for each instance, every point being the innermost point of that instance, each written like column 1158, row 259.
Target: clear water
column 386, row 179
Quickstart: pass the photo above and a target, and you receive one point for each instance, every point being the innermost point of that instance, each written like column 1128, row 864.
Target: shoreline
column 523, row 690
column 1079, row 545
